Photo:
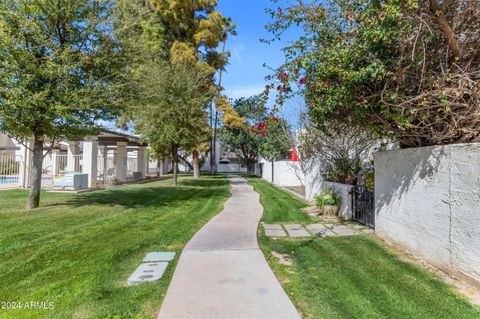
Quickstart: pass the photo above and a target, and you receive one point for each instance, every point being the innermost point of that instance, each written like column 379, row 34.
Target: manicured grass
column 78, row 250
column 353, row 277
column 278, row 205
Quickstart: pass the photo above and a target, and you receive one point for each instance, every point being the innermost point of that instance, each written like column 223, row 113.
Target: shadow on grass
column 150, row 196
column 357, row 277
column 204, row 182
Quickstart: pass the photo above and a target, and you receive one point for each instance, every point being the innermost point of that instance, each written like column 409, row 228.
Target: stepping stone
column 319, row 230
column 272, row 227
column 296, row 230
column 341, row 230
column 159, row 256
column 147, row 272
column 313, row 227
column 325, row 233
column 275, row 233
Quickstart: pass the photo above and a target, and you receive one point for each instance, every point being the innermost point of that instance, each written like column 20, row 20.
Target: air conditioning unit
column 71, row 181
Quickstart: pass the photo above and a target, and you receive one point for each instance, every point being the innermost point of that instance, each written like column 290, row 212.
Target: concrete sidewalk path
column 222, row 274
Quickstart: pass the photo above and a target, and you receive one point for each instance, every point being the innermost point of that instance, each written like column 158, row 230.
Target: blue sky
column 245, row 74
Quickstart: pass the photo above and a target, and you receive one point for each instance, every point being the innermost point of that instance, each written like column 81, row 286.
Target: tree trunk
column 249, row 168
column 175, row 165
column 159, row 166
column 196, row 165
column 213, row 168
column 447, row 31
column 34, row 195
column 273, row 171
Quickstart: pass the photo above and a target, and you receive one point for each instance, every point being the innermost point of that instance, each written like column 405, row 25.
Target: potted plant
column 328, row 202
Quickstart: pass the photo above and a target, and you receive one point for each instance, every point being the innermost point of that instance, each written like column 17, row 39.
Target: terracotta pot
column 330, row 210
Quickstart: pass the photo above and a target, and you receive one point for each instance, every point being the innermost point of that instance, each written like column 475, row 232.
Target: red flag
column 294, row 156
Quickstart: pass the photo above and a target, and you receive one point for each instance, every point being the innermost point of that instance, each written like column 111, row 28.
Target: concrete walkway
column 222, row 273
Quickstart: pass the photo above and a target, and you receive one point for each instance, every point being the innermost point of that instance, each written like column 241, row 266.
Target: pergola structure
column 108, row 154
column 110, row 142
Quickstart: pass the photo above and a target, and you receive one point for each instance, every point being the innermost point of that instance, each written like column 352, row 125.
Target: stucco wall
column 230, row 168
column 427, row 200
column 286, row 173
column 314, row 184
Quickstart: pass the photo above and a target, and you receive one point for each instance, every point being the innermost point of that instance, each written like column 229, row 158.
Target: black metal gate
column 363, row 205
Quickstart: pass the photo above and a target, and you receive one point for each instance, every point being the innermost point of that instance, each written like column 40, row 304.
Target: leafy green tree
column 243, row 139
column 57, row 65
column 171, row 114
column 275, row 142
column 195, row 30
column 405, row 69
column 177, row 35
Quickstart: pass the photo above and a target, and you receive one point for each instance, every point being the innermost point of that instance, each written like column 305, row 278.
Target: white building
column 226, row 162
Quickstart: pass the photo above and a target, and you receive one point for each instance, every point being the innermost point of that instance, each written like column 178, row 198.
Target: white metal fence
column 14, row 171
column 10, row 171
column 12, row 175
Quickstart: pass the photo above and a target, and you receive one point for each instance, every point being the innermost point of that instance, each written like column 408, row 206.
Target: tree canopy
column 173, row 74
column 242, row 139
column 57, row 66
column 407, row 70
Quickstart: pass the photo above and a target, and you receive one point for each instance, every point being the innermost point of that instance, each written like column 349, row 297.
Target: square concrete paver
column 296, row 230
column 319, row 230
column 275, row 233
column 272, row 227
column 342, row 230
column 147, row 272
column 159, row 256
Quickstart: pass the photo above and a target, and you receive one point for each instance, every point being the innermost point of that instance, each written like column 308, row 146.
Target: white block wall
column 231, row 168
column 427, row 200
column 286, row 173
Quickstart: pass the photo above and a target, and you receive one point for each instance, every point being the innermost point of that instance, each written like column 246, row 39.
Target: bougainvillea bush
column 404, row 69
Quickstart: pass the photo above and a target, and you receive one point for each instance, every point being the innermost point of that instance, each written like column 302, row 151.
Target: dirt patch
column 282, row 259
column 300, row 190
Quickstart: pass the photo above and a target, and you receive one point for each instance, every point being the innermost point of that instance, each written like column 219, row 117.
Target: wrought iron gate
column 363, row 205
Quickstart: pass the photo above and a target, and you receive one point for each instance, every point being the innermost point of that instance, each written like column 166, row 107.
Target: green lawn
column 352, row 277
column 279, row 206
column 78, row 250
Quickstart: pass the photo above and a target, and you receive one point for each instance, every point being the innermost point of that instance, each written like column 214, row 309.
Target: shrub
column 370, row 181
column 328, row 196
column 338, row 170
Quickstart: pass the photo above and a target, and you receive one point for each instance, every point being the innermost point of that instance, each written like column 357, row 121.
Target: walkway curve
column 222, row 273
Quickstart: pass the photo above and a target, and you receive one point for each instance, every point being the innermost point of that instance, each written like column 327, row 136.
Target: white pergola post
column 104, row 155
column 73, row 159
column 121, row 162
column 55, row 161
column 142, row 161
column 26, row 164
column 90, row 155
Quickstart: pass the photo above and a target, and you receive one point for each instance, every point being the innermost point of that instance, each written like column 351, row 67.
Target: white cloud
column 236, row 52
column 236, row 92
